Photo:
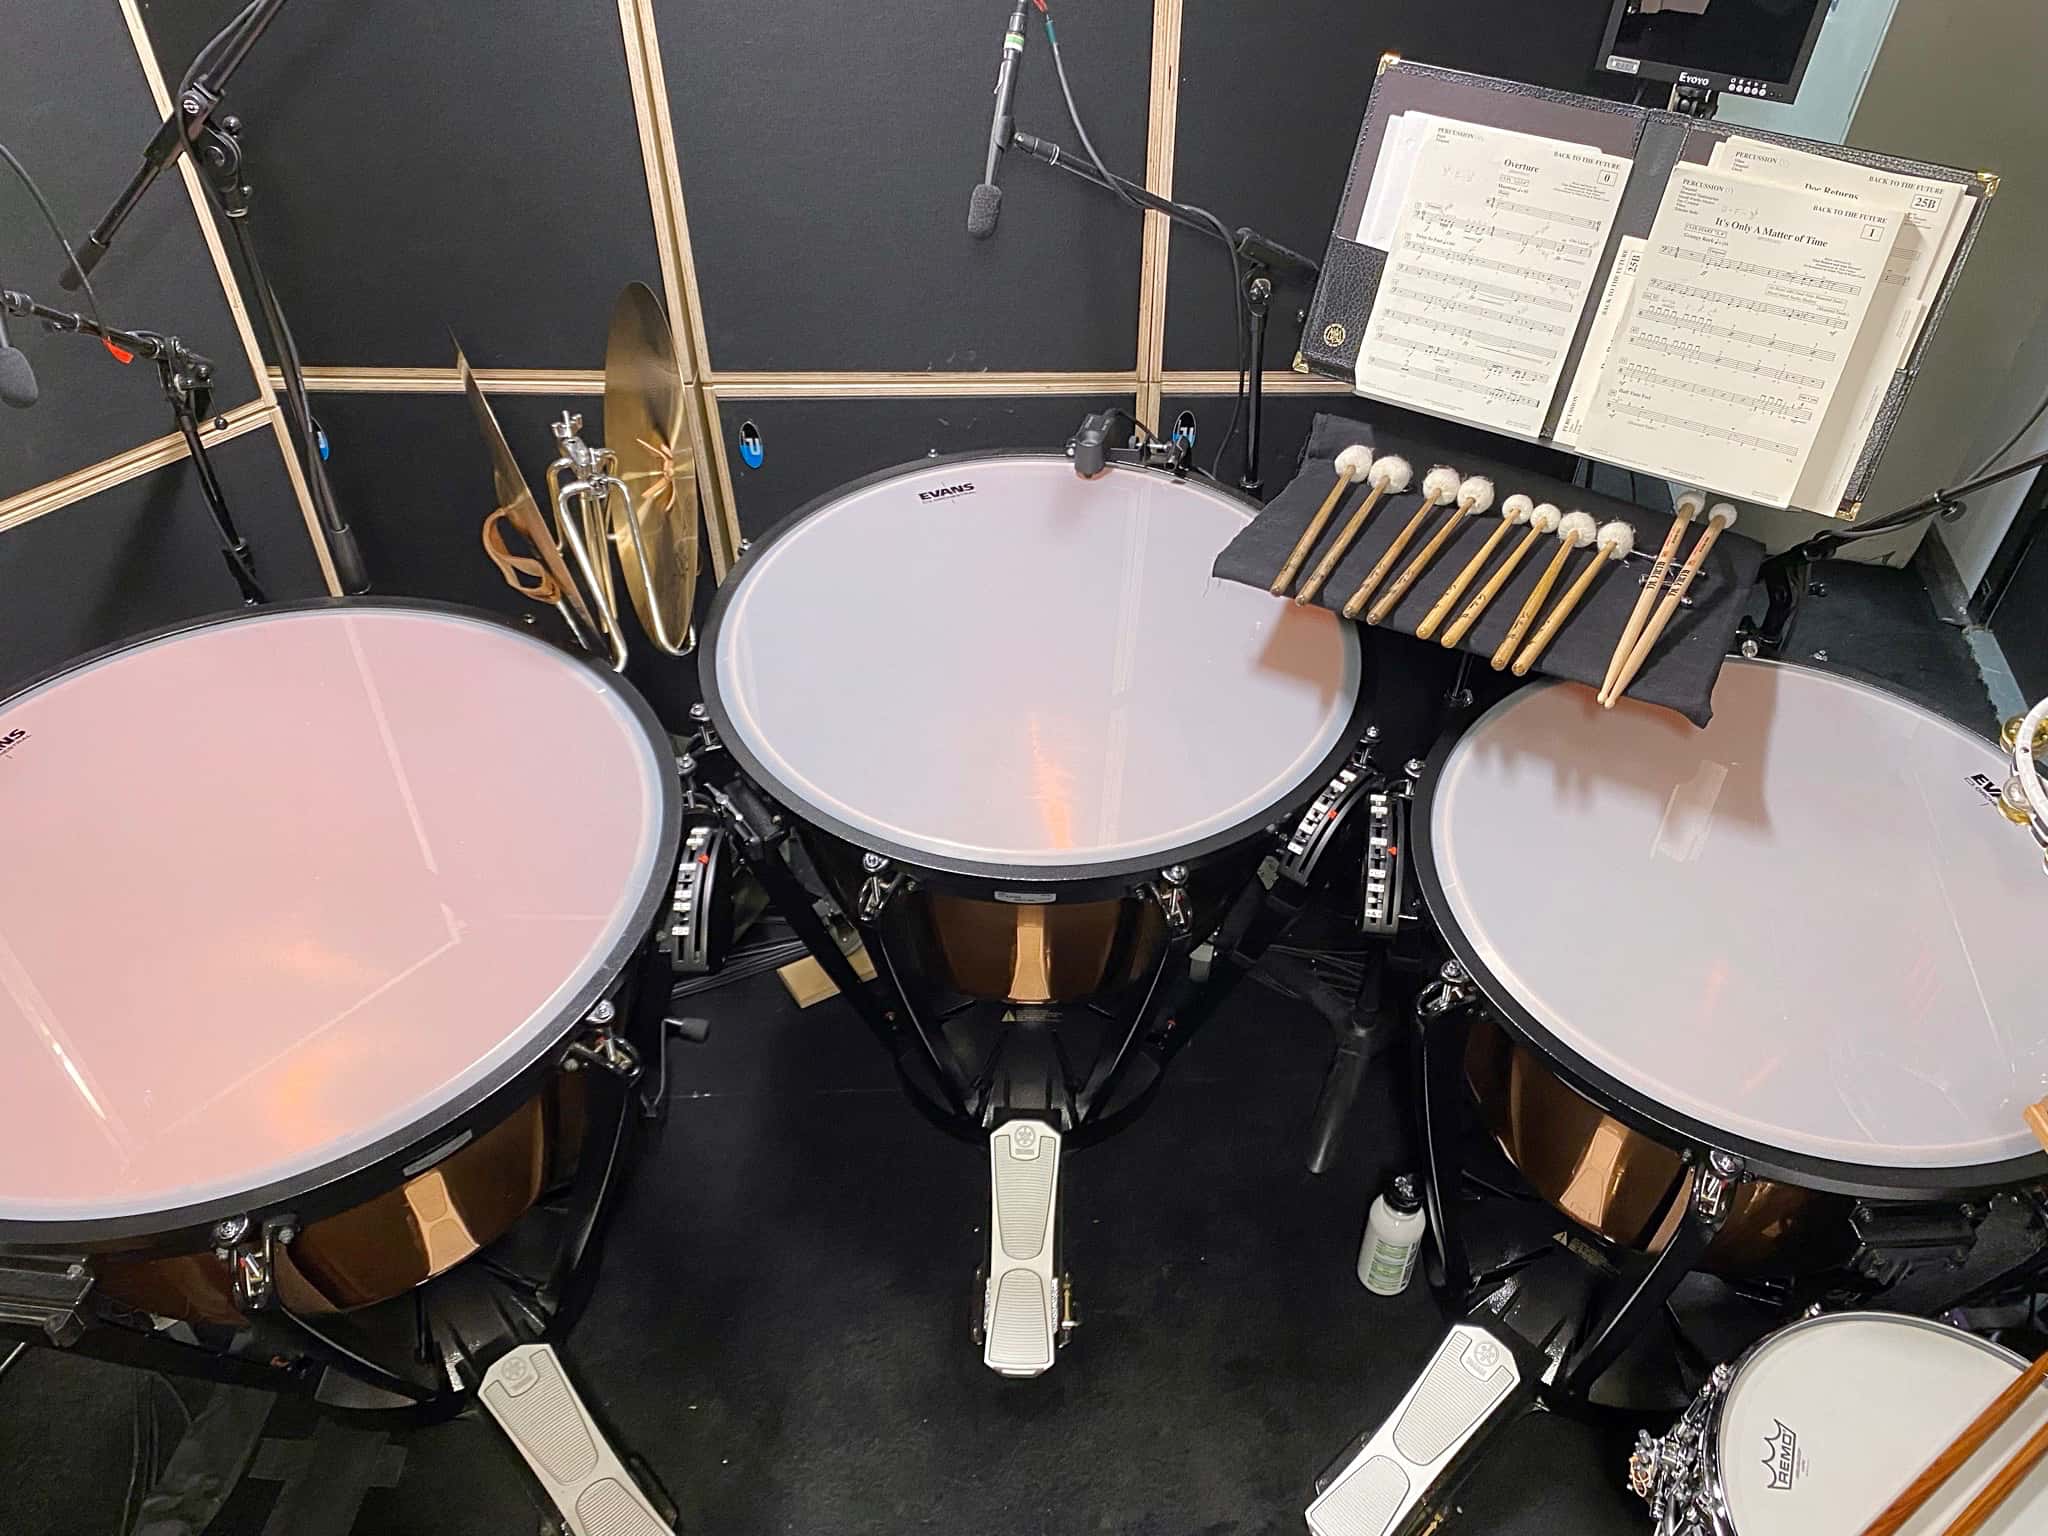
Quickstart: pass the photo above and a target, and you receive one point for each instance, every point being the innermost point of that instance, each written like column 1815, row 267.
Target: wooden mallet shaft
column 1441, row 609
column 1527, row 616
column 1355, row 604
column 1655, row 580
column 1338, row 550
column 1573, row 594
column 1647, row 641
column 1486, row 594
column 1307, row 542
column 1416, row 567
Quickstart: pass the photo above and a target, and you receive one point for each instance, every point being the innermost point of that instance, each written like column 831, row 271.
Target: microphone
column 18, row 386
column 986, row 202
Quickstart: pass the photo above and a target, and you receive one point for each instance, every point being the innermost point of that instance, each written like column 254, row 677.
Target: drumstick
column 1352, row 466
column 1391, row 473
column 1439, row 485
column 1722, row 516
column 1690, row 505
column 1615, row 541
column 1542, row 521
column 1475, row 494
column 2037, row 1122
column 1573, row 531
column 1513, row 512
column 2000, row 1488
column 1959, row 1451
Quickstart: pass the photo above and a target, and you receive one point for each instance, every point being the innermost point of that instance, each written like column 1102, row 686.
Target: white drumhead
column 1827, row 1421
column 281, row 887
column 1805, row 925
column 995, row 662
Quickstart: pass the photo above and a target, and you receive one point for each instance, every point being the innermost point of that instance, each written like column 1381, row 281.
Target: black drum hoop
column 1636, row 1109
column 347, row 1180
column 977, row 877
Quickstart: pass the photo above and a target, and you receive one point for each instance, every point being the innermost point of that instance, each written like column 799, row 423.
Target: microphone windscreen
column 982, row 208
column 17, row 379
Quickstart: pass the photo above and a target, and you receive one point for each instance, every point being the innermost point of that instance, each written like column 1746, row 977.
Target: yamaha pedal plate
column 528, row 1393
column 1021, row 1312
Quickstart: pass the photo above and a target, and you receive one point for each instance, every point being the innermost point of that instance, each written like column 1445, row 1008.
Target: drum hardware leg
column 1708, row 1199
column 1443, row 1030
column 1102, row 1082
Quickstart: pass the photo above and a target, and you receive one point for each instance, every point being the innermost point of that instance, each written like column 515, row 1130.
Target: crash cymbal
column 644, row 431
column 516, row 501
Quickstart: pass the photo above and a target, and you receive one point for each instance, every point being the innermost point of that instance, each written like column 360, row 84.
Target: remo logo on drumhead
column 1781, row 1455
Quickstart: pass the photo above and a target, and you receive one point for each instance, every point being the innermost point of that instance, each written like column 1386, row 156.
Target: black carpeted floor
column 781, row 1327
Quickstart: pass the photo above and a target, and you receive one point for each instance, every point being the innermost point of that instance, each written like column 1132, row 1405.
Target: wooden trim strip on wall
column 447, row 381
column 915, row 385
column 1196, row 382
column 25, row 506
column 1162, row 122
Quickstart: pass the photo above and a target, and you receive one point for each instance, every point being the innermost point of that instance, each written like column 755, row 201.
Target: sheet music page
column 1746, row 307
column 1621, row 283
column 1933, row 218
column 1494, row 254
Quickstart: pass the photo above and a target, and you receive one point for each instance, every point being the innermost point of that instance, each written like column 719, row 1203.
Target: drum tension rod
column 601, row 1046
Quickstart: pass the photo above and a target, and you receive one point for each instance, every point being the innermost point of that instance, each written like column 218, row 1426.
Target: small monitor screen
column 1761, row 41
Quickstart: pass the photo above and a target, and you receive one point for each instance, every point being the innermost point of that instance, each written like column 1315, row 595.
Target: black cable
column 214, row 44
column 50, row 218
column 2011, row 442
column 1222, row 233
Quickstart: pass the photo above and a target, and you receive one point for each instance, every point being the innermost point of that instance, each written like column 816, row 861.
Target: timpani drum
column 1816, row 1429
column 303, row 907
column 1025, row 695
column 1805, row 936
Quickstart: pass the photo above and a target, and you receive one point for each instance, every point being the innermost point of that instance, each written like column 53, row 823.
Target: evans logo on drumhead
column 1781, row 1455
column 964, row 488
column 1986, row 786
column 11, row 740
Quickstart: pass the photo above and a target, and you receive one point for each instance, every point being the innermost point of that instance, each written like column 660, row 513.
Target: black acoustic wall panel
column 142, row 555
column 1271, row 97
column 1289, row 416
column 827, row 156
column 82, row 142
column 811, row 446
column 420, row 166
column 415, row 476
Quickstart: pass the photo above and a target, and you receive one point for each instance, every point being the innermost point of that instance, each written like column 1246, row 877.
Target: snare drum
column 1002, row 701
column 1804, row 935
column 302, row 907
column 1819, row 1427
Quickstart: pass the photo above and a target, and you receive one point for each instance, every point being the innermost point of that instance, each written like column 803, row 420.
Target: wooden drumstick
column 1352, row 466
column 1543, row 520
column 1391, row 473
column 1958, row 1452
column 1690, row 505
column 2000, row 1488
column 1574, row 531
column 1513, row 512
column 1722, row 516
column 1438, row 486
column 1614, row 542
column 1475, row 495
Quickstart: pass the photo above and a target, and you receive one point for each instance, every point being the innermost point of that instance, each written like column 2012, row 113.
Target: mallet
column 1391, row 473
column 1438, row 486
column 1615, row 541
column 1723, row 516
column 1513, row 512
column 1690, row 505
column 1352, row 466
column 1475, row 494
column 1543, row 520
column 1574, row 530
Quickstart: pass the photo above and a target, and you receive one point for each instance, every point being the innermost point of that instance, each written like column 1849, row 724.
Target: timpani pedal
column 1395, row 1482
column 1023, row 1312
column 528, row 1393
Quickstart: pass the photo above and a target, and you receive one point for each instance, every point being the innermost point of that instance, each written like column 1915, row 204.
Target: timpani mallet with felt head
column 1475, row 494
column 1574, row 531
column 1353, row 464
column 1390, row 473
column 1513, row 513
column 1438, row 486
column 1614, row 542
column 1723, row 516
column 1542, row 521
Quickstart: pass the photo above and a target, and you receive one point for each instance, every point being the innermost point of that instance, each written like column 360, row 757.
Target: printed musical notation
column 1531, row 215
column 1780, row 272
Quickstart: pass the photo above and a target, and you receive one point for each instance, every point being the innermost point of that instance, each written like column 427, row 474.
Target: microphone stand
column 187, row 379
column 1261, row 261
column 217, row 148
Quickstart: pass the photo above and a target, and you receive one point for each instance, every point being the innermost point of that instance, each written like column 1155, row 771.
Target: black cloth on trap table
column 1679, row 674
